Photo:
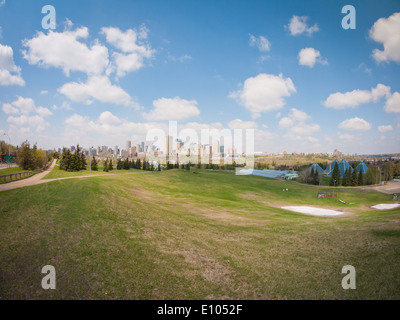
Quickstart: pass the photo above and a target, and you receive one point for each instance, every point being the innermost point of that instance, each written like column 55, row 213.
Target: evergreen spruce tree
column 94, row 164
column 311, row 177
column 345, row 181
column 335, row 180
column 105, row 167
column 126, row 164
column 159, row 167
column 119, row 164
column 316, row 178
column 354, row 178
column 110, row 165
column 361, row 178
column 188, row 166
column 83, row 161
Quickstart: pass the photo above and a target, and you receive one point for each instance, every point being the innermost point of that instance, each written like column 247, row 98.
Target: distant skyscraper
column 168, row 145
column 128, row 145
column 215, row 147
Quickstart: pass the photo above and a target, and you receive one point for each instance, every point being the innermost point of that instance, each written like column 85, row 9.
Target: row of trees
column 73, row 161
column 31, row 158
column 137, row 164
column 354, row 178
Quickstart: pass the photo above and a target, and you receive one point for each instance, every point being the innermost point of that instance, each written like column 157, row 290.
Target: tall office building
column 128, row 145
column 168, row 145
column 215, row 147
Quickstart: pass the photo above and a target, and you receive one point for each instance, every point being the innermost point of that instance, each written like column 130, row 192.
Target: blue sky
column 110, row 71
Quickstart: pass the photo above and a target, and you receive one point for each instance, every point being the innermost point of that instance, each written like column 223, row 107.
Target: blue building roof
column 343, row 166
column 362, row 167
column 316, row 167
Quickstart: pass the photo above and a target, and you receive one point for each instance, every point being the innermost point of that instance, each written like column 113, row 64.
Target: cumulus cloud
column 64, row 50
column 263, row 93
column 260, row 42
column 393, row 103
column 309, row 57
column 133, row 46
column 355, row 124
column 107, row 128
column 298, row 25
column 297, row 125
column 386, row 31
column 383, row 129
column 24, row 113
column 10, row 74
column 172, row 109
column 240, row 124
column 354, row 98
column 99, row 88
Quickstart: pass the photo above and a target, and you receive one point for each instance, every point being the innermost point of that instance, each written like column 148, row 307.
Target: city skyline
column 287, row 70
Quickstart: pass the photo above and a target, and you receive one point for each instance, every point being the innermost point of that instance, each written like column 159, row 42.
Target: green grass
column 179, row 235
column 57, row 173
column 12, row 170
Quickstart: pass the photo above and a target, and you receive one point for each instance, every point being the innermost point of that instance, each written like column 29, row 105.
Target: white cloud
column 348, row 137
column 9, row 109
column 44, row 92
column 380, row 91
column 2, row 3
column 297, row 126
column 128, row 41
column 386, row 31
column 172, row 109
column 26, row 114
column 98, row 88
column 107, row 128
column 298, row 25
column 65, row 105
column 354, row 98
column 64, row 50
column 355, row 124
column 10, row 74
column 309, row 56
column 132, row 44
column 393, row 103
column 263, row 93
column 181, row 59
column 25, row 106
column 240, row 124
column 260, row 42
column 383, row 129
column 127, row 63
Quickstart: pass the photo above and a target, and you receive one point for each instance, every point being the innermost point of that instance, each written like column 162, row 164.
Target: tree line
column 31, row 158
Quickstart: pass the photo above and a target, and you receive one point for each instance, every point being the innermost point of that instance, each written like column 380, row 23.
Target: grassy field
column 57, row 173
column 12, row 170
column 179, row 235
